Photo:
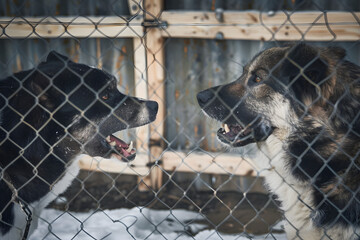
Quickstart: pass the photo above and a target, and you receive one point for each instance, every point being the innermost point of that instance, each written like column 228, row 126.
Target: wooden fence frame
column 148, row 32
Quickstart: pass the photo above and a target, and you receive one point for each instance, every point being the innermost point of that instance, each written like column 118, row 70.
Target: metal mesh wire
column 290, row 122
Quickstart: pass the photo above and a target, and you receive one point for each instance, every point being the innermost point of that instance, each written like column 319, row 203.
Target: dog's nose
column 204, row 97
column 152, row 106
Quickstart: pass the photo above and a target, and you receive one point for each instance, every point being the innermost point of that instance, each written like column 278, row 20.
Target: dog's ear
column 306, row 70
column 304, row 62
column 54, row 56
column 37, row 83
column 333, row 53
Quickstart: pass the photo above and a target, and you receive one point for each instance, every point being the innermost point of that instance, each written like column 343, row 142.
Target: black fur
column 51, row 114
column 318, row 155
column 322, row 147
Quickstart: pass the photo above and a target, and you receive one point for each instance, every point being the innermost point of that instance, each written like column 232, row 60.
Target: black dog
column 50, row 116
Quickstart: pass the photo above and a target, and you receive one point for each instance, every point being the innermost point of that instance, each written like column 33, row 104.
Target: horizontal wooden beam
column 255, row 25
column 67, row 27
column 246, row 25
column 220, row 163
column 114, row 165
column 195, row 162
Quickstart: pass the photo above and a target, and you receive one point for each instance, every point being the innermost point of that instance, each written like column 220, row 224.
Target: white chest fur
column 296, row 197
column 36, row 207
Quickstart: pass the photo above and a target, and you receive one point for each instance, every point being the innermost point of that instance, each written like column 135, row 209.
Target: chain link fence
column 68, row 138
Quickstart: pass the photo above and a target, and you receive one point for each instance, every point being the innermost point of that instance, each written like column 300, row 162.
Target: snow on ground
column 123, row 224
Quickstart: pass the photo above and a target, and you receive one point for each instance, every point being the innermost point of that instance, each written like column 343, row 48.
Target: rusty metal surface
column 191, row 64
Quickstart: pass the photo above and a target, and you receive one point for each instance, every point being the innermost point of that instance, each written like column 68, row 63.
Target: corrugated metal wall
column 191, row 64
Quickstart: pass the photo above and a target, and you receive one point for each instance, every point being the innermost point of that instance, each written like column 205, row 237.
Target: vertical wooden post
column 141, row 91
column 149, row 83
column 156, row 88
column 140, row 77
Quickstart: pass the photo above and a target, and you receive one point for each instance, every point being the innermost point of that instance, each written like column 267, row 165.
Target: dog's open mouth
column 237, row 135
column 122, row 150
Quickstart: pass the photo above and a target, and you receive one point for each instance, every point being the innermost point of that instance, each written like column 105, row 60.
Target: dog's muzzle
column 236, row 135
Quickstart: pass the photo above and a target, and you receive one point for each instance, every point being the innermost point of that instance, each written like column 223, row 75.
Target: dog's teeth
column 112, row 144
column 130, row 147
column 108, row 138
column 227, row 129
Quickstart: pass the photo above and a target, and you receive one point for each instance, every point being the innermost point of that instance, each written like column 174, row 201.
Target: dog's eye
column 254, row 80
column 257, row 79
column 105, row 97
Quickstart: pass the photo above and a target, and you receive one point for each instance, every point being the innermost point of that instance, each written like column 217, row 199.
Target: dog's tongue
column 119, row 142
column 122, row 147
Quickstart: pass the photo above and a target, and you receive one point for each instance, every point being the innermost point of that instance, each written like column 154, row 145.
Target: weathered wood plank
column 154, row 8
column 141, row 88
column 210, row 163
column 285, row 33
column 249, row 25
column 140, row 77
column 156, row 87
column 114, row 165
column 257, row 17
column 254, row 25
column 220, row 163
column 67, row 27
